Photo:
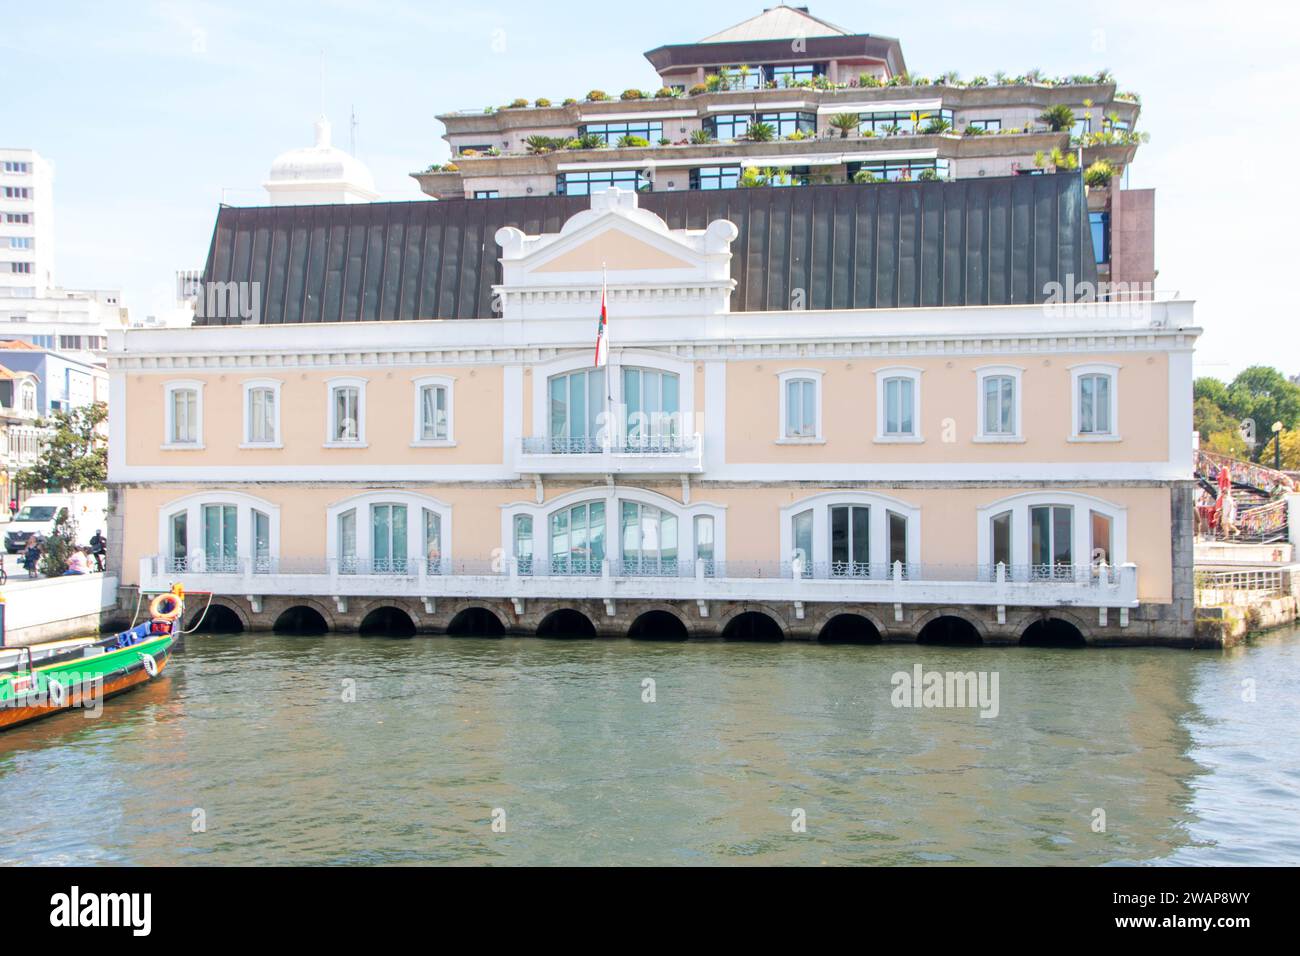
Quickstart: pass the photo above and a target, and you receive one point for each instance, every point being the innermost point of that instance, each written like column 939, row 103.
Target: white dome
column 319, row 174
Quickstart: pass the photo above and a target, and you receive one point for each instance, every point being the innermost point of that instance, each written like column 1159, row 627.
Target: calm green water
column 253, row 731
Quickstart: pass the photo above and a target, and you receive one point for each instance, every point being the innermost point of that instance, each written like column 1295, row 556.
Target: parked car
column 88, row 508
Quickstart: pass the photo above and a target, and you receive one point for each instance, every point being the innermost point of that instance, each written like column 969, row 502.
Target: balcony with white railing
column 651, row 454
column 660, row 579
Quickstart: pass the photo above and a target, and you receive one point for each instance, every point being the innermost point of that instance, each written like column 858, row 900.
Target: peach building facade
column 991, row 465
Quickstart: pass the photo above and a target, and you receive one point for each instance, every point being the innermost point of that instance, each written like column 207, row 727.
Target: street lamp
column 1277, row 446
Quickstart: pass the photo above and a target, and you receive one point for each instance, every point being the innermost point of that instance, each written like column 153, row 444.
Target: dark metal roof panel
column 972, row 242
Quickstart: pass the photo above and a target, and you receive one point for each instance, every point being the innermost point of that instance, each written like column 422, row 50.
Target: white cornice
column 913, row 346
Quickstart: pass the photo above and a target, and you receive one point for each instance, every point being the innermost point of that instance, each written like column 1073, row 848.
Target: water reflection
column 256, row 733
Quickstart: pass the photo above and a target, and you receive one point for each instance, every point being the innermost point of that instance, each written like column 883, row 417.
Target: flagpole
column 609, row 385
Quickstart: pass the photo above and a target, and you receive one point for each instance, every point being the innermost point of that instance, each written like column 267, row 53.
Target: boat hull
column 85, row 681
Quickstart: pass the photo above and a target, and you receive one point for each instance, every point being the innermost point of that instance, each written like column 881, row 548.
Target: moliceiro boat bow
column 46, row 679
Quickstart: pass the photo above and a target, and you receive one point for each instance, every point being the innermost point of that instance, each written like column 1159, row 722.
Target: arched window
column 1051, row 535
column 850, row 534
column 641, row 532
column 385, row 533
column 220, row 532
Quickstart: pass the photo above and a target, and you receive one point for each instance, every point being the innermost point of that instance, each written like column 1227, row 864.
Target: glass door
column 388, row 538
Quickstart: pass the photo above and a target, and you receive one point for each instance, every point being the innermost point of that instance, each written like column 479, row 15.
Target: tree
column 1264, row 395
column 74, row 457
column 58, row 545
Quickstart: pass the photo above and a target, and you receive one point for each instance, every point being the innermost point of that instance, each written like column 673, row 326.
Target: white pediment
column 618, row 245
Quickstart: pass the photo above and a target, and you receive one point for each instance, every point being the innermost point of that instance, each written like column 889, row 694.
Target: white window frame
column 330, row 431
column 883, row 375
column 611, row 496
column 1080, row 534
column 244, row 504
column 1094, row 368
column 274, row 386
column 656, row 361
column 877, row 534
column 414, row 503
column 1015, row 373
column 169, row 415
column 434, row 381
column 784, row 377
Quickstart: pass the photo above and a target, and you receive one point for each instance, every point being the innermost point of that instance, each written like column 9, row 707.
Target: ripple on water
column 254, row 734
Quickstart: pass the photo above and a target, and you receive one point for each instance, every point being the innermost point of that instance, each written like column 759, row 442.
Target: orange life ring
column 171, row 612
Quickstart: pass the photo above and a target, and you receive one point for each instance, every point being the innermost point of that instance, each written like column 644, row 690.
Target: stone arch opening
column 218, row 619
column 476, row 622
column 301, row 621
column 387, row 622
column 849, row 629
column 752, row 626
column 1052, row 632
column 948, row 630
column 566, row 622
column 658, row 625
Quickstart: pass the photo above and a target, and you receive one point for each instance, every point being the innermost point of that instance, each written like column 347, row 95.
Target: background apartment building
column 33, row 307
column 787, row 99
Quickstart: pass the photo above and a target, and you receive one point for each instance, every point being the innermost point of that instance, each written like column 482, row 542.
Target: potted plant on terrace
column 846, row 123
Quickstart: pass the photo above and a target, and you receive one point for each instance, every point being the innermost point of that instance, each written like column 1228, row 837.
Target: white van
column 36, row 517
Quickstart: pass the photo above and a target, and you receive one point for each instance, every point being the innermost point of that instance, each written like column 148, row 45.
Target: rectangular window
column 577, row 401
column 1001, row 539
column 1101, row 538
column 704, row 542
column 220, row 539
column 1099, row 223
column 1094, row 404
column 433, row 413
column 1050, row 544
column 649, row 130
column 897, row 541
column 18, row 192
column 524, row 543
column 433, row 541
column 487, row 194
column 348, row 542
column 725, row 126
column 850, row 544
column 261, row 541
column 887, row 123
column 900, row 170
column 803, row 541
column 388, row 539
column 899, row 404
column 988, row 125
column 261, row 416
column 596, row 181
column 180, row 540
column 792, row 74
column 20, row 242
column 800, row 408
column 347, row 413
column 715, row 177
column 185, row 416
column 578, row 539
column 999, row 405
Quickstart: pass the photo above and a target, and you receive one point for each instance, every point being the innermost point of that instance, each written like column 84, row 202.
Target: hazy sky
column 151, row 112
